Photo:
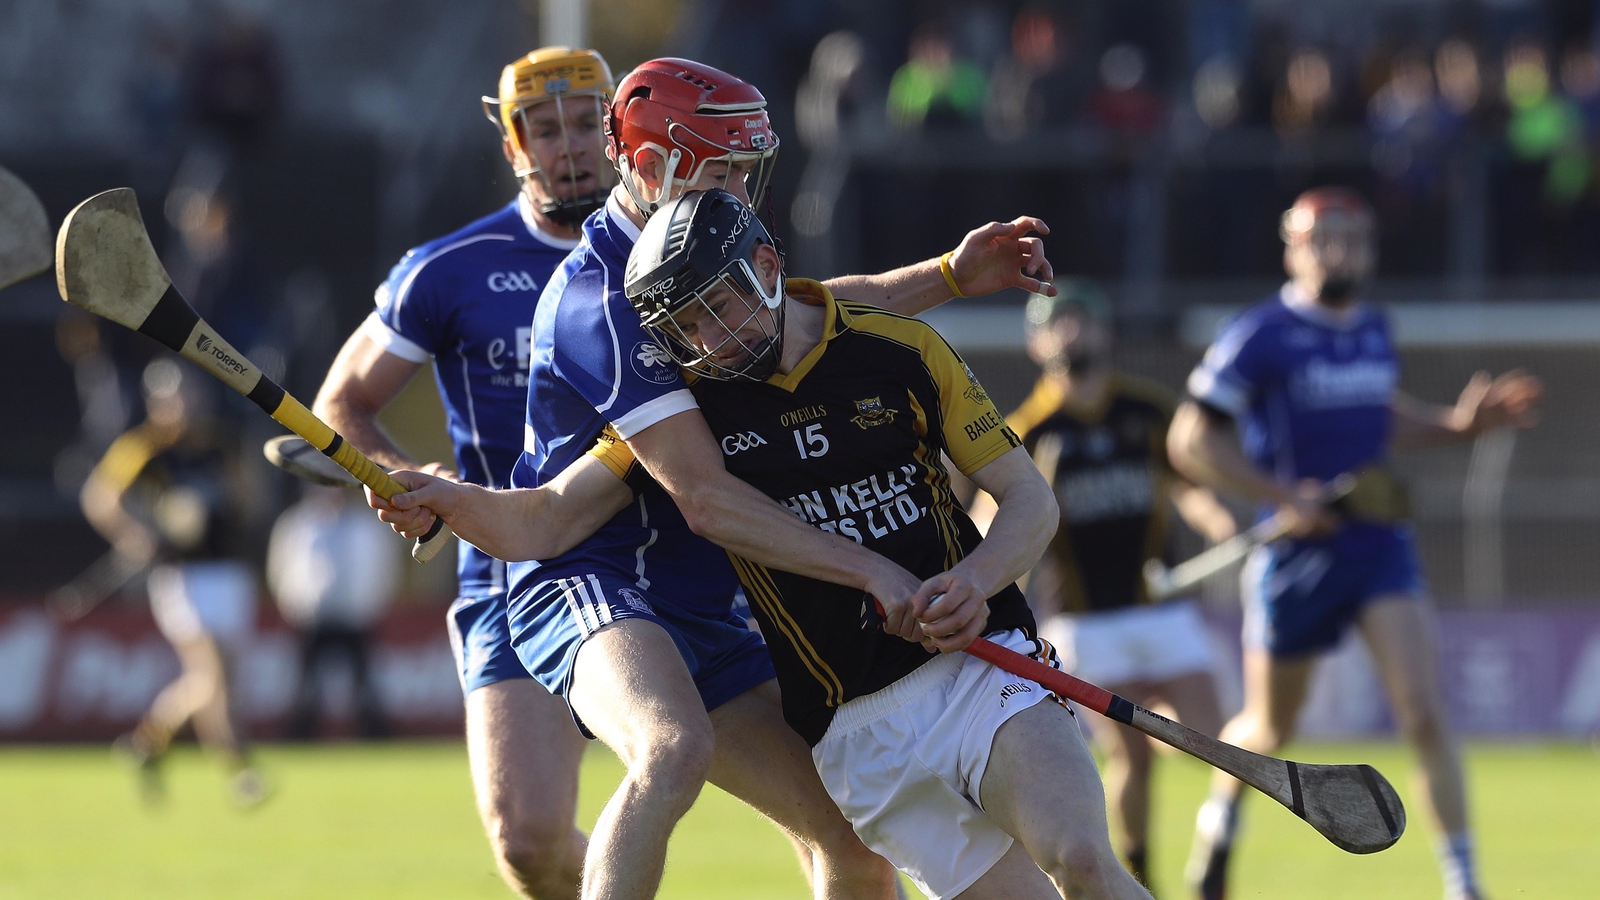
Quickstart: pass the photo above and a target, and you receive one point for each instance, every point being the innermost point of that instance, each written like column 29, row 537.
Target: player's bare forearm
column 1203, row 511
column 360, row 383
column 1025, row 519
column 514, row 524
column 683, row 457
column 1207, row 452
column 1417, row 425
column 990, row 258
column 952, row 606
column 907, row 290
column 1485, row 404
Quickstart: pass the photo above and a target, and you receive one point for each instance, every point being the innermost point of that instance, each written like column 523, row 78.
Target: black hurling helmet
column 695, row 250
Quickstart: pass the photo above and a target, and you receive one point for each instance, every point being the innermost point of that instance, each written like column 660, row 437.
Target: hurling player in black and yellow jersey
column 1099, row 437
column 965, row 777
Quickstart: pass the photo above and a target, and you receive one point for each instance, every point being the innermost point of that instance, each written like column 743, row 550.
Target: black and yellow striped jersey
column 850, row 441
column 182, row 485
column 1110, row 473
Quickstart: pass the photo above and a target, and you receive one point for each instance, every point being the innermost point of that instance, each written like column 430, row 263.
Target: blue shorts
column 1300, row 596
column 723, row 655
column 480, row 637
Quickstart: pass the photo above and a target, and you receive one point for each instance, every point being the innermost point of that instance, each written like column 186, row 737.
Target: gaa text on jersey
column 733, row 443
column 500, row 282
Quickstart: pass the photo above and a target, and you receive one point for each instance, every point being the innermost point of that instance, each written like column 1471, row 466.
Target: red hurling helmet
column 1314, row 203
column 690, row 114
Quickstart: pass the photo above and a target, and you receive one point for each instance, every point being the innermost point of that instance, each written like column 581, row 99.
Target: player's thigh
column 1275, row 687
column 632, row 690
column 525, row 753
column 1193, row 698
column 1041, row 785
column 1014, row 877
column 1117, row 739
column 765, row 763
column 1401, row 632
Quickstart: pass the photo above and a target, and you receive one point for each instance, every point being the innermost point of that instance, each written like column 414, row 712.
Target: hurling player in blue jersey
column 1294, row 392
column 465, row 302
column 668, row 676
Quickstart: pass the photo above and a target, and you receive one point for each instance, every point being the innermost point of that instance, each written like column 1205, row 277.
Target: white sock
column 1455, row 863
column 1218, row 820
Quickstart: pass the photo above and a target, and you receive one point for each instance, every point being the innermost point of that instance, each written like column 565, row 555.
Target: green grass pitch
column 397, row 821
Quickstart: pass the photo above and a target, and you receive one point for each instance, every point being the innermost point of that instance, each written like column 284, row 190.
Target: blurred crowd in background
column 286, row 154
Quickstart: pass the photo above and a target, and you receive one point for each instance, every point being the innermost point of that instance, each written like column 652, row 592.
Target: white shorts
column 1139, row 644
column 216, row 598
column 905, row 765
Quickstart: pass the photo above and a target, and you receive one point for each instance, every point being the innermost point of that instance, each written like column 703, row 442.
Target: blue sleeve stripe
column 376, row 330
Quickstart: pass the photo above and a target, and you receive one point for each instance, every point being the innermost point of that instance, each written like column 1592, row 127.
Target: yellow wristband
column 949, row 275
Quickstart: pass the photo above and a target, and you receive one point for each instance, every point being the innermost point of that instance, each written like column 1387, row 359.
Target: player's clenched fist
column 954, row 611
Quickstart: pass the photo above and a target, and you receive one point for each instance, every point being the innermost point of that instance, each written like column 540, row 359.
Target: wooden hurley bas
column 106, row 265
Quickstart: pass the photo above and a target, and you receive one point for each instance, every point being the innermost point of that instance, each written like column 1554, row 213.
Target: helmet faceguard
column 689, row 114
column 693, row 281
column 565, row 79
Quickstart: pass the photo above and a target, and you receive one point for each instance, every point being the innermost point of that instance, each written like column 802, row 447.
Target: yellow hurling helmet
column 562, row 76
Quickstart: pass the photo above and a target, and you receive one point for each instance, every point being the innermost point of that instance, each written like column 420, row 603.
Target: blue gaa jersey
column 1310, row 392
column 592, row 365
column 466, row 302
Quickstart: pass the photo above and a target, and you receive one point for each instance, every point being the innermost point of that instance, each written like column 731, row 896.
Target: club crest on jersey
column 634, row 599
column 974, row 391
column 871, row 411
column 747, row 440
column 652, row 363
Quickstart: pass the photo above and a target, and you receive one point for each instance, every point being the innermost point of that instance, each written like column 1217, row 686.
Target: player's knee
column 676, row 761
column 1422, row 725
column 533, row 847
column 1083, row 861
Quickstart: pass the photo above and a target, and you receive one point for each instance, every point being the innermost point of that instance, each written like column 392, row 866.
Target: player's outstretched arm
column 362, row 380
column 1203, row 510
column 1024, row 521
column 990, row 258
column 513, row 525
column 1203, row 446
column 683, row 457
column 1510, row 401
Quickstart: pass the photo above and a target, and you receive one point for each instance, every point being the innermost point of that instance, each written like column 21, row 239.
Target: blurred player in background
column 1100, row 438
column 1294, row 392
column 647, row 690
column 333, row 604
column 169, row 493
column 465, row 302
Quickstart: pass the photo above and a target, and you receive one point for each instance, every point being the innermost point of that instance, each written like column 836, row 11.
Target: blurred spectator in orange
column 935, row 87
column 333, row 574
column 1460, row 81
column 1123, row 102
column 1305, row 99
column 1020, row 100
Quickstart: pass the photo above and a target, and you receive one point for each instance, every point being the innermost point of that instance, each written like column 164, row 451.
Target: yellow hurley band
column 293, row 415
column 949, row 275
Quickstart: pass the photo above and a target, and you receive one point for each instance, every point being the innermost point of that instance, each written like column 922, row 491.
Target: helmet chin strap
column 648, row 207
